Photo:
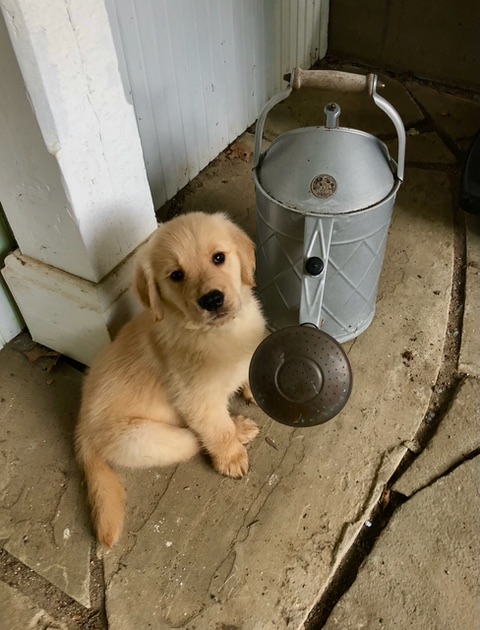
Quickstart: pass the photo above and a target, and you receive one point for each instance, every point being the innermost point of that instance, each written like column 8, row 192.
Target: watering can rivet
column 314, row 266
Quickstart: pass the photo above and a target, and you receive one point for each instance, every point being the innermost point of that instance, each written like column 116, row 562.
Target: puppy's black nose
column 212, row 300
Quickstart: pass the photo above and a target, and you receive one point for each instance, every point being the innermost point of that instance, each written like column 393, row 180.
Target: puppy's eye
column 177, row 275
column 218, row 258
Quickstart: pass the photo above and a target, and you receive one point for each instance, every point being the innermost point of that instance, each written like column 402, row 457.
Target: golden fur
column 159, row 393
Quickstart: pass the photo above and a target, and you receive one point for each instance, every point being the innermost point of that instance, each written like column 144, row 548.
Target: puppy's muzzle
column 211, row 301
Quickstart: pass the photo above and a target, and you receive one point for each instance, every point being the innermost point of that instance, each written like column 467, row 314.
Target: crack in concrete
column 453, row 466
column 135, row 533
column 442, row 134
column 253, row 518
column 248, row 522
column 241, row 535
column 359, row 551
column 97, row 588
column 368, row 504
column 48, row 597
column 56, row 510
column 345, row 572
column 448, row 378
column 184, row 548
column 7, row 507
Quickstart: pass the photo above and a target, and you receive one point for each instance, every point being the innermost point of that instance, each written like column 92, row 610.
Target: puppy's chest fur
column 219, row 357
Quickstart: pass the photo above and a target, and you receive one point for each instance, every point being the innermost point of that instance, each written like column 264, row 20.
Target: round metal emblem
column 323, row 186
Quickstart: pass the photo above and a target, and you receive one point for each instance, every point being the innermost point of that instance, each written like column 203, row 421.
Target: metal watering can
column 325, row 198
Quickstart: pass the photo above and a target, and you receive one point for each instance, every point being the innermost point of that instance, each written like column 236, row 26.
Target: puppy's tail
column 106, row 495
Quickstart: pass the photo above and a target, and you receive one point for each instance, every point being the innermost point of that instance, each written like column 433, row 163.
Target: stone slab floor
column 369, row 521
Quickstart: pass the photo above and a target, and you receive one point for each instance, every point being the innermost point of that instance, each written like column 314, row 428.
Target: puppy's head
column 194, row 269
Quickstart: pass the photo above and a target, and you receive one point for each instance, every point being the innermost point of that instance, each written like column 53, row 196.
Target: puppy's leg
column 143, row 443
column 247, row 429
column 218, row 433
column 246, row 394
column 228, row 454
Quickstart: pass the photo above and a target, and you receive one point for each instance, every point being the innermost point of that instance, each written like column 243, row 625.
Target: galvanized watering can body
column 325, row 198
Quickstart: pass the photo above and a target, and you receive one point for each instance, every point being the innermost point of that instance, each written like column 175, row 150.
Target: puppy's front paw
column 246, row 394
column 246, row 428
column 232, row 462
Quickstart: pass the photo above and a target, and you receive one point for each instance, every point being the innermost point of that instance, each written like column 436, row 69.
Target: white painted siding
column 199, row 72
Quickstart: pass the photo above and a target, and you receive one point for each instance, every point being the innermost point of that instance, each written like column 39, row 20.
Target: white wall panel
column 199, row 72
column 10, row 321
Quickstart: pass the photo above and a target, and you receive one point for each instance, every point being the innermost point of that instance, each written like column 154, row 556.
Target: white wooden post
column 72, row 175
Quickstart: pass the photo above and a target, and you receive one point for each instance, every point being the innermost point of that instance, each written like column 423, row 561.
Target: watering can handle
column 330, row 80
column 339, row 81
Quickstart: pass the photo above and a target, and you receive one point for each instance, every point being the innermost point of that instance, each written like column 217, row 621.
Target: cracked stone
column 43, row 517
column 424, row 148
column 457, row 117
column 455, row 438
column 19, row 612
column 469, row 361
column 423, row 571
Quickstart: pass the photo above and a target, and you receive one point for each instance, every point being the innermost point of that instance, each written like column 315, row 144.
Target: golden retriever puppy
column 159, row 393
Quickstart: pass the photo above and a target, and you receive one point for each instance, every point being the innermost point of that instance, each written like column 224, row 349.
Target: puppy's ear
column 147, row 289
column 246, row 253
